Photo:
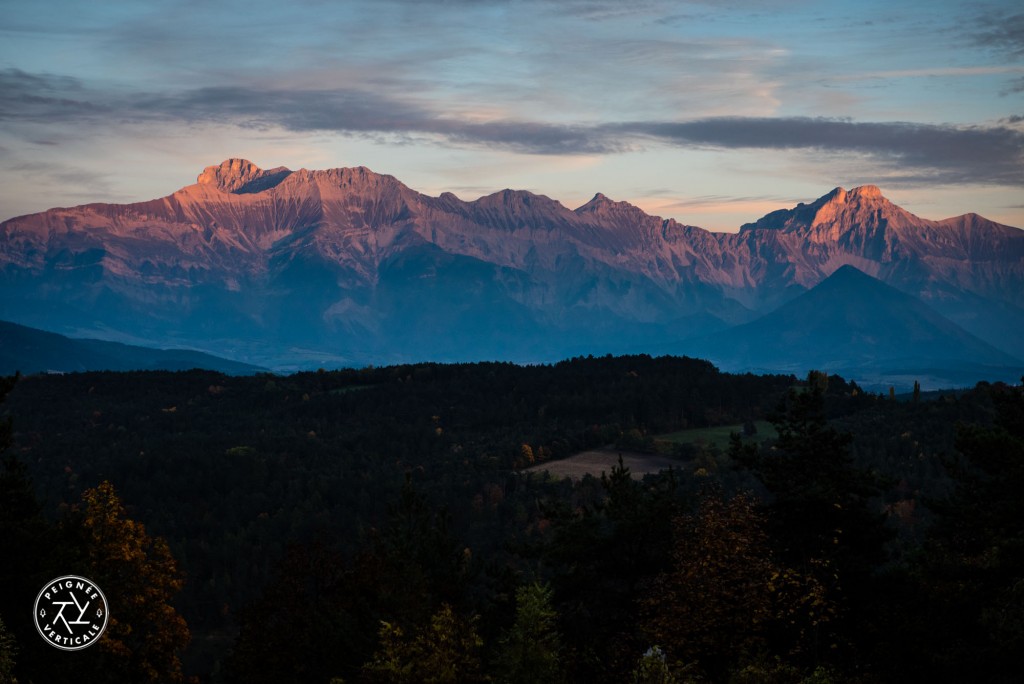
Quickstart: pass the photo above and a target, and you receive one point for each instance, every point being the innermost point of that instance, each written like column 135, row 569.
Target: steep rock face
column 859, row 227
column 327, row 258
column 863, row 229
column 241, row 176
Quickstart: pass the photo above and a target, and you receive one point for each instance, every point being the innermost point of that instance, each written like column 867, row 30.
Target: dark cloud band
column 957, row 154
column 923, row 151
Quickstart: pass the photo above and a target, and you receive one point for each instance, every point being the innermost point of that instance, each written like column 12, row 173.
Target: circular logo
column 71, row 613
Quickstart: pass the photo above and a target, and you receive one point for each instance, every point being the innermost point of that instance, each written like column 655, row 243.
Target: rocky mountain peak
column 859, row 195
column 520, row 201
column 867, row 192
column 861, row 206
column 241, row 176
column 838, row 211
column 334, row 257
column 838, row 196
column 230, row 174
column 601, row 206
column 600, row 203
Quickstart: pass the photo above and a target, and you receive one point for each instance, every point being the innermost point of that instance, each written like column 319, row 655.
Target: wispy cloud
column 43, row 97
column 1015, row 86
column 931, row 72
column 721, row 200
column 77, row 182
column 1003, row 33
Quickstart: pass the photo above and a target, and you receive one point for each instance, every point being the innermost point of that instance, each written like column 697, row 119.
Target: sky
column 713, row 113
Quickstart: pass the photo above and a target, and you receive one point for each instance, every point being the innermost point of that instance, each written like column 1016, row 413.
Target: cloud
column 351, row 111
column 1003, row 33
column 727, row 200
column 342, row 110
column 74, row 181
column 934, row 152
column 1015, row 86
column 43, row 97
column 929, row 72
column 957, row 154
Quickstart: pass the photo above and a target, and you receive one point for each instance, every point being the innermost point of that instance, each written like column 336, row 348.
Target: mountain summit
column 832, row 215
column 855, row 325
column 297, row 268
column 241, row 176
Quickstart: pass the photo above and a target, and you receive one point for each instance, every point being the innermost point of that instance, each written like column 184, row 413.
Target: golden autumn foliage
column 139, row 576
column 445, row 650
column 725, row 592
column 717, row 595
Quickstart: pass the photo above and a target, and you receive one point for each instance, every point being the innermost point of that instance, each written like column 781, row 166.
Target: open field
column 719, row 436
column 596, row 461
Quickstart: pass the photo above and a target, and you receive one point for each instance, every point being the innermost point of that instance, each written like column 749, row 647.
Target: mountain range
column 291, row 269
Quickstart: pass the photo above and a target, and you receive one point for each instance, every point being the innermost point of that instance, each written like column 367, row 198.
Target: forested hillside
column 379, row 525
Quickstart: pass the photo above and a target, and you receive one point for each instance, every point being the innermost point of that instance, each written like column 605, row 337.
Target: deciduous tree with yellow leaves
column 726, row 595
column 139, row 576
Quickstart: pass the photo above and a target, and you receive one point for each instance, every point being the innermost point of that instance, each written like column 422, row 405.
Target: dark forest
column 391, row 525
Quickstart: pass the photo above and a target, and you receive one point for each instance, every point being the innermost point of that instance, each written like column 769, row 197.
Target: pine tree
column 821, row 515
column 820, row 506
column 309, row 624
column 531, row 650
column 446, row 650
column 974, row 565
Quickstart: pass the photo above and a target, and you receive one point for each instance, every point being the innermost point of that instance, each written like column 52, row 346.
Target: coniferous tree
column 653, row 668
column 820, row 501
column 531, row 650
column 973, row 570
column 444, row 651
column 415, row 560
column 312, row 622
column 822, row 517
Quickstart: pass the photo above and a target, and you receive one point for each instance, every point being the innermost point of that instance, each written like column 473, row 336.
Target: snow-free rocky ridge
column 302, row 268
